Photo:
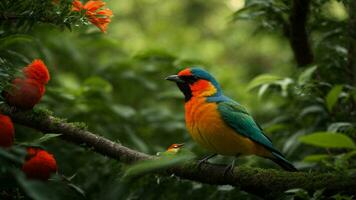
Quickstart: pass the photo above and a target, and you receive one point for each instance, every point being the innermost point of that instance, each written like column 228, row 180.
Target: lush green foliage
column 114, row 84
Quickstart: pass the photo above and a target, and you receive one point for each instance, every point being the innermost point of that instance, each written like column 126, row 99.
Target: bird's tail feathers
column 283, row 162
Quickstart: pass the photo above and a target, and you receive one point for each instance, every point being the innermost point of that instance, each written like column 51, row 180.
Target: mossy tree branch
column 267, row 183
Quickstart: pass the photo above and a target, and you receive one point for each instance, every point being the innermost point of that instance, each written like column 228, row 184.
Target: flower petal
column 92, row 5
column 106, row 12
column 77, row 5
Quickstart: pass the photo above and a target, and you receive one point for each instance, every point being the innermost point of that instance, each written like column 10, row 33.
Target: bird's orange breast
column 208, row 129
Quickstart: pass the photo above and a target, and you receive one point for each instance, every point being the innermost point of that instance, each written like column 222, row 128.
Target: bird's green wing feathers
column 241, row 121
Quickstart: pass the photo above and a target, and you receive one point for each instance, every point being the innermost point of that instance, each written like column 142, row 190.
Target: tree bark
column 267, row 183
column 297, row 32
column 351, row 68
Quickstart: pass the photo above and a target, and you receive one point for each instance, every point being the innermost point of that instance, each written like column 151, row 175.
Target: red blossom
column 39, row 164
column 27, row 91
column 97, row 16
column 7, row 131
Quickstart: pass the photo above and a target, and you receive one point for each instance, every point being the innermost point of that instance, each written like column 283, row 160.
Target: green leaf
column 312, row 109
column 316, row 157
column 46, row 137
column 276, row 128
column 18, row 38
column 306, row 75
column 284, row 84
column 333, row 96
column 159, row 163
column 328, row 140
column 77, row 189
column 340, row 126
column 262, row 79
column 262, row 90
column 40, row 190
column 10, row 156
column 34, row 189
column 298, row 193
column 96, row 83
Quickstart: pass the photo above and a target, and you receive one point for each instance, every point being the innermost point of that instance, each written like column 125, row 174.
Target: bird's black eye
column 189, row 79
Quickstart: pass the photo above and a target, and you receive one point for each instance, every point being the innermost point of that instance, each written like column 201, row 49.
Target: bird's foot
column 230, row 168
column 205, row 159
column 200, row 162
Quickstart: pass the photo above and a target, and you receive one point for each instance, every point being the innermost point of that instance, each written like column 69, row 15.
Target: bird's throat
column 184, row 87
column 201, row 88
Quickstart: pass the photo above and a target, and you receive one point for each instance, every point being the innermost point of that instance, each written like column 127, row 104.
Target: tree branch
column 297, row 33
column 351, row 66
column 267, row 183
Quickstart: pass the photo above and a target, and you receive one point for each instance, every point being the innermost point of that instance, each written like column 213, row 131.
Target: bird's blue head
column 196, row 82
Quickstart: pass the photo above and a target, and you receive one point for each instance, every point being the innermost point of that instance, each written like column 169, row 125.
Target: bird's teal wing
column 242, row 122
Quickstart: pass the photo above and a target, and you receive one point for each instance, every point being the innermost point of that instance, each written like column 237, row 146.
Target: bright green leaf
column 162, row 162
column 316, row 157
column 328, row 140
column 46, row 137
column 335, row 10
column 333, row 96
column 306, row 75
column 262, row 79
column 276, row 128
column 262, row 90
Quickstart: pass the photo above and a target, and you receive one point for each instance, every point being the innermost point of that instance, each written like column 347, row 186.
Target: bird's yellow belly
column 207, row 128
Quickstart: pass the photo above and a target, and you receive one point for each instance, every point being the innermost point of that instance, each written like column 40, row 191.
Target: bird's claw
column 200, row 162
column 204, row 160
column 230, row 168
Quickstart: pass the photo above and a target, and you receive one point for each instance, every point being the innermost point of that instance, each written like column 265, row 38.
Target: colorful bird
column 39, row 164
column 174, row 148
column 220, row 124
column 7, row 131
column 27, row 91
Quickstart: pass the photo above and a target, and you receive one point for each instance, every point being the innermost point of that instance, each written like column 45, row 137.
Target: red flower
column 7, row 131
column 39, row 164
column 100, row 18
column 37, row 70
column 93, row 5
column 77, row 5
column 26, row 92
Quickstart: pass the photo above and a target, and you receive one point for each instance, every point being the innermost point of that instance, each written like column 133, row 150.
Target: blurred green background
column 114, row 83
